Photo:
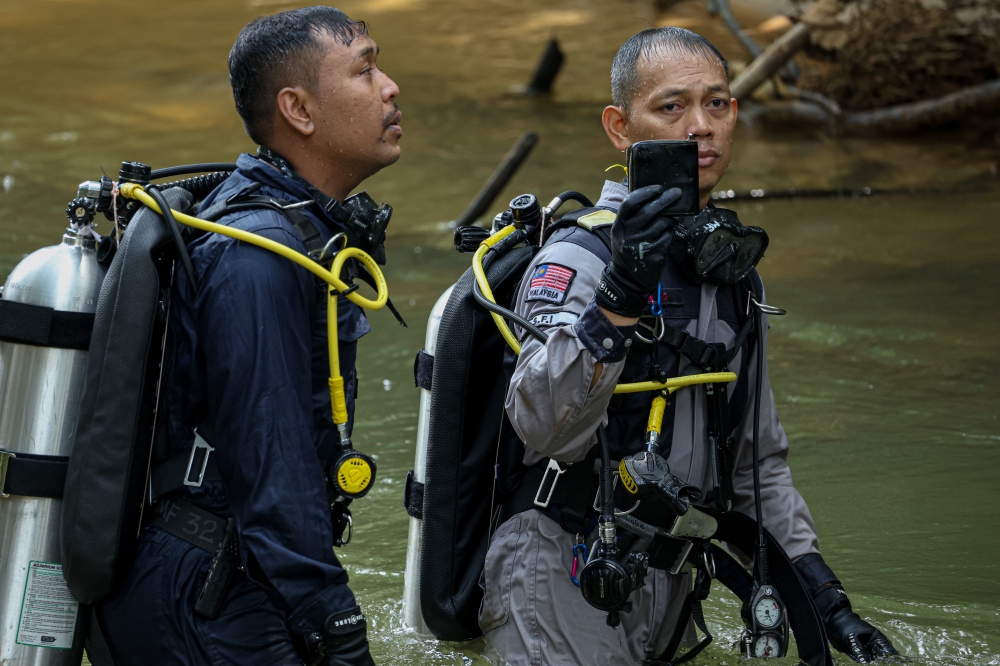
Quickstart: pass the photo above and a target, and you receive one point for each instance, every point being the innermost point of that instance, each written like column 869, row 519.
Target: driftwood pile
column 870, row 54
column 883, row 64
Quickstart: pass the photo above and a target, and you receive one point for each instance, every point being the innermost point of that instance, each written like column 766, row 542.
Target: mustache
column 393, row 117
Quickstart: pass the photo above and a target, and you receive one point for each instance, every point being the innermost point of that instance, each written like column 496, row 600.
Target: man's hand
column 847, row 631
column 345, row 640
column 639, row 244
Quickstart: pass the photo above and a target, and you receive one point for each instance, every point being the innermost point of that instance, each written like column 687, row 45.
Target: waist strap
column 186, row 521
column 550, row 484
column 191, row 469
column 30, row 475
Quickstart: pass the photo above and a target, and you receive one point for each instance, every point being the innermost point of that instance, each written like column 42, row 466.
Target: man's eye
column 671, row 107
column 718, row 103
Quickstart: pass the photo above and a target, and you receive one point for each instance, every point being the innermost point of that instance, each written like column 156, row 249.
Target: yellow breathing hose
column 338, row 400
column 670, row 385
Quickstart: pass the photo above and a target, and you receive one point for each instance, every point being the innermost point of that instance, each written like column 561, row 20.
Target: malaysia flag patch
column 549, row 283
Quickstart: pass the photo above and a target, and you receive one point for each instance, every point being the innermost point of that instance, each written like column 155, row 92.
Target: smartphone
column 667, row 163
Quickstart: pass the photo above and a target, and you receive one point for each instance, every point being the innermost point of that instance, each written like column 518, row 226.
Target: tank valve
column 80, row 212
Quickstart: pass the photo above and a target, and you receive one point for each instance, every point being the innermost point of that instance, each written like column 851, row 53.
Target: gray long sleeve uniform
column 532, row 613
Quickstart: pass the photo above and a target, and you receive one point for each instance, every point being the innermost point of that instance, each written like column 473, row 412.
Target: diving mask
column 713, row 246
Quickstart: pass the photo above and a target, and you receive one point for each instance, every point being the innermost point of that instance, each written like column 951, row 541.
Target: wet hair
column 274, row 52
column 652, row 42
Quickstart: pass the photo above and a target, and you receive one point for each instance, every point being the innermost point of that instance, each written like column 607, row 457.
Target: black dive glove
column 639, row 243
column 648, row 476
column 344, row 641
column 846, row 630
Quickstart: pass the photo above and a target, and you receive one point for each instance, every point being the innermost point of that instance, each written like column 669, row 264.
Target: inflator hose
column 185, row 169
column 154, row 201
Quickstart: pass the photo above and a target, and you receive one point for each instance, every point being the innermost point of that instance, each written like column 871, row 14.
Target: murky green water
column 886, row 370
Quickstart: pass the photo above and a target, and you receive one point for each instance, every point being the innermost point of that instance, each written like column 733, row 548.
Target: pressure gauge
column 767, row 624
column 767, row 612
column 767, row 645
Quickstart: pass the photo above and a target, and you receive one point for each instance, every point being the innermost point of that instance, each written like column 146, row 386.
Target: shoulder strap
column 303, row 226
column 597, row 221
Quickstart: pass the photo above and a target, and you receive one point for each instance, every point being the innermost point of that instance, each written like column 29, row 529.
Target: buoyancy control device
column 82, row 342
column 455, row 502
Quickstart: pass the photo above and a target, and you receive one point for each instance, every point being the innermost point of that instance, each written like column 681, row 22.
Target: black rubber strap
column 413, row 497
column 423, row 370
column 691, row 608
column 29, row 475
column 186, row 521
column 41, row 326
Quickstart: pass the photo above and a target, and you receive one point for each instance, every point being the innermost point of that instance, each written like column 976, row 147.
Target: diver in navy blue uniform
column 247, row 369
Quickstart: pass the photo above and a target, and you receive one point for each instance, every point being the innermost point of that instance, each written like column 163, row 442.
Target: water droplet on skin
column 386, row 385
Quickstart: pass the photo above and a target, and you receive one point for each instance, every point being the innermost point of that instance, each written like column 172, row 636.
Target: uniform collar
column 612, row 195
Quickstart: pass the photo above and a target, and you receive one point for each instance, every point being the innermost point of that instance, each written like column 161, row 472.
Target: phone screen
column 667, row 163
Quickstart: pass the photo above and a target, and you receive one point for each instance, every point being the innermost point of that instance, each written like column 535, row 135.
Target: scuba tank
column 414, row 500
column 45, row 319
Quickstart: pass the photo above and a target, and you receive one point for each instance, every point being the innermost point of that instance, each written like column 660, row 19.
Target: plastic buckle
column 199, row 444
column 553, row 466
column 4, row 458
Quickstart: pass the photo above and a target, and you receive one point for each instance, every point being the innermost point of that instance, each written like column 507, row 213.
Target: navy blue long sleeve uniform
column 247, row 355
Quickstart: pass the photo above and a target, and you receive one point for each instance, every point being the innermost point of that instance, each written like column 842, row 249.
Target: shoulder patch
column 549, row 283
column 554, row 319
column 598, row 218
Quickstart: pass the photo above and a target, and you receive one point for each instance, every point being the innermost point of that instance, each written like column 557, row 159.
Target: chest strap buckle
column 198, row 459
column 5, row 456
column 548, row 485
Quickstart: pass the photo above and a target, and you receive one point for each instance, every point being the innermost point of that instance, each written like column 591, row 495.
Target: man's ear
column 615, row 121
column 294, row 109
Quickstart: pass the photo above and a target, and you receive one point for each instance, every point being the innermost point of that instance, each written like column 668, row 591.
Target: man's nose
column 389, row 89
column 698, row 124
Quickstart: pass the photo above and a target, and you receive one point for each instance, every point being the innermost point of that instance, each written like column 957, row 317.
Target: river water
column 886, row 370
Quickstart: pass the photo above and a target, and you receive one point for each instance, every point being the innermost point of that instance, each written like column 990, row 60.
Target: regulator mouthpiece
column 468, row 239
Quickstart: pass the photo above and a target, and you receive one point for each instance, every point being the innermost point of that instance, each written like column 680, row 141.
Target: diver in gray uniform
column 667, row 83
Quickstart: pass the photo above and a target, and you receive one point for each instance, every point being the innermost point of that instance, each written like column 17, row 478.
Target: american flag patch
column 549, row 283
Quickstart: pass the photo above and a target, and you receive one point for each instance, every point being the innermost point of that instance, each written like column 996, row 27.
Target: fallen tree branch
column 982, row 98
column 770, row 61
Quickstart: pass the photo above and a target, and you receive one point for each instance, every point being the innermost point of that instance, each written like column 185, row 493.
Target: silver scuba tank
column 412, row 616
column 40, row 390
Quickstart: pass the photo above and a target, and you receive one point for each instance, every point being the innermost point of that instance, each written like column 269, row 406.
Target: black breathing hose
column 186, row 169
column 168, row 219
column 507, row 314
column 760, row 570
column 199, row 186
column 607, row 496
column 495, row 252
column 573, row 195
